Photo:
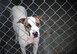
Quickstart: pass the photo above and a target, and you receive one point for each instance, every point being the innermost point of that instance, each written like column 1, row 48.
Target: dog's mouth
column 35, row 34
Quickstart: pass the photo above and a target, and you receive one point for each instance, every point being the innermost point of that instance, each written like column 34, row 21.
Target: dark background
column 58, row 31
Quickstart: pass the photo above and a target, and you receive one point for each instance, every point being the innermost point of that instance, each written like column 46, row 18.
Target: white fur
column 24, row 39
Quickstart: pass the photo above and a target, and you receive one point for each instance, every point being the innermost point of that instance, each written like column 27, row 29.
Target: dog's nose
column 35, row 34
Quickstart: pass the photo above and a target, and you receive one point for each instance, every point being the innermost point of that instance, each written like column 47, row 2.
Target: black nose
column 35, row 34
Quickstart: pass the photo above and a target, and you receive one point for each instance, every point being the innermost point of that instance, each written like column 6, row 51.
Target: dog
column 26, row 28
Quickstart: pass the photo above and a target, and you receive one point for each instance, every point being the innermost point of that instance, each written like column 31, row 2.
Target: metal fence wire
column 58, row 31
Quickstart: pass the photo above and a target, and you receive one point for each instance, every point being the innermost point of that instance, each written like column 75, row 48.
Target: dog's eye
column 37, row 24
column 29, row 25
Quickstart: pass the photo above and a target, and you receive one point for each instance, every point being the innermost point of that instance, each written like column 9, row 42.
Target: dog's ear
column 38, row 20
column 22, row 20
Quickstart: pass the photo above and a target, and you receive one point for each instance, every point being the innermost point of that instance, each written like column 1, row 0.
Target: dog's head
column 32, row 25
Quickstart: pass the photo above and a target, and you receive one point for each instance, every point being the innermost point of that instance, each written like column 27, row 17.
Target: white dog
column 26, row 28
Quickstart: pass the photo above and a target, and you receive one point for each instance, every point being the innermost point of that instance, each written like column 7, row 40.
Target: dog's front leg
column 23, row 50
column 35, row 48
column 22, row 45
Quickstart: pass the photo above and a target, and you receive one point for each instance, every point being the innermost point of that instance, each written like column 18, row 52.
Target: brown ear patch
column 23, row 20
column 38, row 21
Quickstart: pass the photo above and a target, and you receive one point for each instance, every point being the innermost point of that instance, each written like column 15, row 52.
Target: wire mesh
column 58, row 31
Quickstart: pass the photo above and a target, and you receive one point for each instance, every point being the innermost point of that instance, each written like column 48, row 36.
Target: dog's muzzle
column 35, row 34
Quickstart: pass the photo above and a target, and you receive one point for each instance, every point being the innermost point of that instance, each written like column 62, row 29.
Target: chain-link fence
column 58, row 31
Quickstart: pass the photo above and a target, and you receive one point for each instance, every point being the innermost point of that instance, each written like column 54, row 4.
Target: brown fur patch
column 38, row 21
column 24, row 21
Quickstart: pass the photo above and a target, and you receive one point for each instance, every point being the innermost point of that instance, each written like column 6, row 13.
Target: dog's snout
column 35, row 34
